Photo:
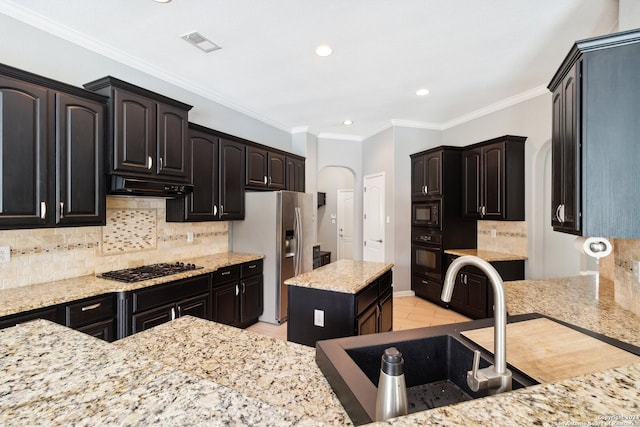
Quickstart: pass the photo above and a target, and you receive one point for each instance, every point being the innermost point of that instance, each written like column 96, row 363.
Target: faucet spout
column 496, row 378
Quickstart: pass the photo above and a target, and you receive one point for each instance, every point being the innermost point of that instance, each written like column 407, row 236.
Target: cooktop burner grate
column 147, row 272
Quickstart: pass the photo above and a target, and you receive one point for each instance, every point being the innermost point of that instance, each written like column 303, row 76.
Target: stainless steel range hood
column 126, row 186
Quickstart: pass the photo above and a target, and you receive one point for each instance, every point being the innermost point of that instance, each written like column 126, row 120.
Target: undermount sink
column 436, row 361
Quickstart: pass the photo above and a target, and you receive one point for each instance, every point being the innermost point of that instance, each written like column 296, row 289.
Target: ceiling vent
column 201, row 42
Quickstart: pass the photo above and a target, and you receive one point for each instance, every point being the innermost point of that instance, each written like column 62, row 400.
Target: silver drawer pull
column 253, row 266
column 91, row 307
column 225, row 273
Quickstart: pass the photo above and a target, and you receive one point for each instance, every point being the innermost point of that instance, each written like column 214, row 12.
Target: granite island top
column 16, row 300
column 195, row 372
column 489, row 256
column 346, row 276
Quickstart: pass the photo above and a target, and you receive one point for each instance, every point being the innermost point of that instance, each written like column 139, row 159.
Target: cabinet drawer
column 226, row 274
column 366, row 297
column 50, row 313
column 89, row 311
column 251, row 268
column 171, row 292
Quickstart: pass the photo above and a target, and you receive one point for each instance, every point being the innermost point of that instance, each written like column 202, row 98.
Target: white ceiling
column 473, row 55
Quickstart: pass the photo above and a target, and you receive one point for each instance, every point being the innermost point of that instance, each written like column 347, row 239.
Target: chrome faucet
column 496, row 378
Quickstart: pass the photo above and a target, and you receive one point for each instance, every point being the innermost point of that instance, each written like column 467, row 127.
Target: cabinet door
column 196, row 306
column 226, row 308
column 471, row 183
column 134, row 147
column 300, row 175
column 172, row 142
column 251, row 301
column 202, row 203
column 427, row 288
column 433, row 175
column 460, row 295
column 385, row 321
column 565, row 155
column 101, row 330
column 79, row 134
column 154, row 317
column 277, row 171
column 367, row 322
column 493, row 171
column 232, row 163
column 295, row 174
column 257, row 167
column 477, row 296
column 418, row 173
column 25, row 154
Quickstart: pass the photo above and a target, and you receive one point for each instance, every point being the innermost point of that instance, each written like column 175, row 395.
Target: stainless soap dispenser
column 392, row 390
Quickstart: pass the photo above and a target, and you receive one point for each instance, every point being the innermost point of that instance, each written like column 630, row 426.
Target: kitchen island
column 194, row 372
column 340, row 299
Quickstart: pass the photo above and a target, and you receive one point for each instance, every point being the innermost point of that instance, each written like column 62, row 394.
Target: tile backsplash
column 510, row 236
column 135, row 234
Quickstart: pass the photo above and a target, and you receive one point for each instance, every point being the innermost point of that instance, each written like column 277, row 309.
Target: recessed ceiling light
column 201, row 42
column 347, row 122
column 162, row 1
column 422, row 92
column 324, row 50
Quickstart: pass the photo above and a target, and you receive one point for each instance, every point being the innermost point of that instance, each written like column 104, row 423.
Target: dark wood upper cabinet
column 595, row 156
column 295, row 174
column 426, row 178
column 148, row 132
column 232, row 175
column 79, row 160
column 493, row 179
column 203, row 203
column 265, row 169
column 51, row 145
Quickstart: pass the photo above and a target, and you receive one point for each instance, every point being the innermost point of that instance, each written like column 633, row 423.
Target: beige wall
column 136, row 234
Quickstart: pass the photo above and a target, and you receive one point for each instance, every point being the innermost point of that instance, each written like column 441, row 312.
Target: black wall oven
column 427, row 255
column 427, row 214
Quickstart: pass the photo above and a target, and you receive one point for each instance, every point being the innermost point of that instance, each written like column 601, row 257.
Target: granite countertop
column 52, row 375
column 16, row 300
column 344, row 275
column 489, row 256
column 278, row 372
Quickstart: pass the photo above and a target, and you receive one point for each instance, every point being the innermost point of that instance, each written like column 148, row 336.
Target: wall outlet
column 189, row 236
column 5, row 253
column 636, row 270
column 493, row 233
column 318, row 318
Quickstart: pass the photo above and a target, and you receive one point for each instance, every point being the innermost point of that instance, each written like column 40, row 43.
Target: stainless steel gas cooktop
column 147, row 272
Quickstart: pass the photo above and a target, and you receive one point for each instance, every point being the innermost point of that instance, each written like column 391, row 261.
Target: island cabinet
column 493, row 179
column 594, row 155
column 265, row 169
column 51, row 146
column 161, row 303
column 147, row 131
column 237, row 294
column 319, row 314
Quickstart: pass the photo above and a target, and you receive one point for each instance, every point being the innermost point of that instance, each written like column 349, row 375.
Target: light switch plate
column 318, row 318
column 189, row 236
column 5, row 253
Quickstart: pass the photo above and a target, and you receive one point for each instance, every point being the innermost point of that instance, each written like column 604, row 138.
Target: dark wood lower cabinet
column 226, row 303
column 49, row 313
column 154, row 317
column 427, row 288
column 103, row 330
column 238, row 294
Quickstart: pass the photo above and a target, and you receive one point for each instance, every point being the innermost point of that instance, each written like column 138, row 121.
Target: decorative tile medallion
column 129, row 230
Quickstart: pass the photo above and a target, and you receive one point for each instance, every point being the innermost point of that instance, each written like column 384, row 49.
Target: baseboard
column 404, row 294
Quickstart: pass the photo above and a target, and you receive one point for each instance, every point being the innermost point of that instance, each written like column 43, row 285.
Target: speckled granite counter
column 488, row 256
column 280, row 373
column 344, row 275
column 52, row 375
column 16, row 300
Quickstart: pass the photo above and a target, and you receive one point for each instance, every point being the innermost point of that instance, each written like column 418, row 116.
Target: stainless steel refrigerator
column 278, row 224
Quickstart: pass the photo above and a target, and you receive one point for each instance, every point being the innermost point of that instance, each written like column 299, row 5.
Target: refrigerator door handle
column 297, row 226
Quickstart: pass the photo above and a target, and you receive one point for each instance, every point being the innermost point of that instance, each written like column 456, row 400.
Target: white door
column 374, row 219
column 345, row 224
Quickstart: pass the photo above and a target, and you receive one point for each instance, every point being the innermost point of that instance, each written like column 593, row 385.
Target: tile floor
column 408, row 313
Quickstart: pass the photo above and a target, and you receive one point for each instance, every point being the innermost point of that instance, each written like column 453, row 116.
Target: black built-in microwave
column 427, row 214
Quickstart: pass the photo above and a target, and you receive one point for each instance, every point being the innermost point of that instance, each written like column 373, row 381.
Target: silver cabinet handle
column 215, row 210
column 61, row 210
column 562, row 216
column 43, row 210
column 173, row 313
column 482, row 210
column 160, row 162
column 91, row 307
column 149, row 162
column 425, row 282
column 558, row 213
column 265, row 180
column 237, row 290
column 225, row 273
column 269, row 181
column 244, row 288
column 221, row 210
column 253, row 266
